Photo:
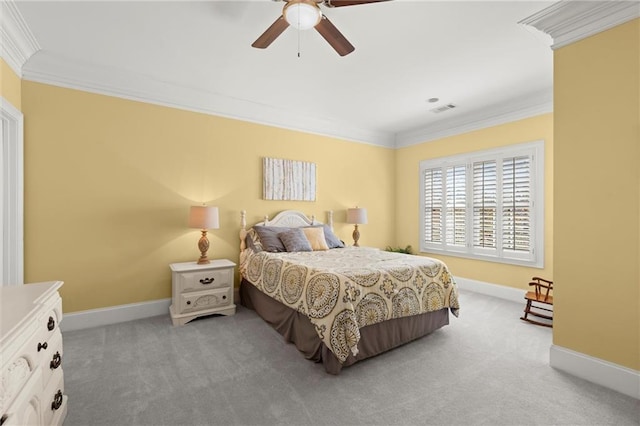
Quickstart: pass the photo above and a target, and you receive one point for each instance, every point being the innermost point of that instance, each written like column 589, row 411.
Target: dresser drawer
column 52, row 397
column 27, row 407
column 48, row 321
column 203, row 280
column 51, row 358
column 13, row 379
column 203, row 300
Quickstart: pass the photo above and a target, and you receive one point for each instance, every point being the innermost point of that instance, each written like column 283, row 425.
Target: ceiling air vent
column 442, row 108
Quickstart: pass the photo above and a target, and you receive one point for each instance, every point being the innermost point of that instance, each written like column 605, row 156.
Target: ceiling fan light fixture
column 303, row 14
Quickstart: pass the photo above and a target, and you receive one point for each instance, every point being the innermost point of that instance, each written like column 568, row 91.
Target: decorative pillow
column 295, row 240
column 269, row 238
column 252, row 240
column 332, row 240
column 315, row 236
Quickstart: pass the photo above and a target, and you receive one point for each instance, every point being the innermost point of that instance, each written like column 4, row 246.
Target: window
column 485, row 205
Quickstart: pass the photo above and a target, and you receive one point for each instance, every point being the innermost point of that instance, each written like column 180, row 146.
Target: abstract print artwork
column 288, row 180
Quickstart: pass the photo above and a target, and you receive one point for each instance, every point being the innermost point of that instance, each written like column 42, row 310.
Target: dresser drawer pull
column 57, row 400
column 56, row 361
column 206, row 281
column 51, row 324
column 42, row 346
column 188, row 302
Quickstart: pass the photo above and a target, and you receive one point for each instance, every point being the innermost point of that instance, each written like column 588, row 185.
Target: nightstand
column 200, row 290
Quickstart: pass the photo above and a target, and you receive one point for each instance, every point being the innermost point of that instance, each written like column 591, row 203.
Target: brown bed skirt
column 374, row 339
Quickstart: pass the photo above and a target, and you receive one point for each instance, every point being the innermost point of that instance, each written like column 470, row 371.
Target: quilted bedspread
column 343, row 290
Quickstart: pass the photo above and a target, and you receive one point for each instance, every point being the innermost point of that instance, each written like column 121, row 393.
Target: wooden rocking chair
column 542, row 295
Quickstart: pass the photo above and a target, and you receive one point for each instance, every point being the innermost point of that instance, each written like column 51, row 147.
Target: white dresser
column 31, row 378
column 200, row 290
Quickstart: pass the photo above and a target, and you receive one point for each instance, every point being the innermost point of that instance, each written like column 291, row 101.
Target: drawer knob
column 56, row 361
column 206, row 281
column 51, row 324
column 42, row 346
column 57, row 400
column 188, row 302
column 224, row 296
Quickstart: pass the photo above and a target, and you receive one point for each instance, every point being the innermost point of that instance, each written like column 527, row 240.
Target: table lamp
column 203, row 218
column 356, row 216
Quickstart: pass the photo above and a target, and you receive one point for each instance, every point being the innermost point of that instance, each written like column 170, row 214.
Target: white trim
column 48, row 69
column 12, row 170
column 570, row 21
column 18, row 42
column 141, row 88
column 595, row 370
column 489, row 289
column 115, row 314
column 534, row 105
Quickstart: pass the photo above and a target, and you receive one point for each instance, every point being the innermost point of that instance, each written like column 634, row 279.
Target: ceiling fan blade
column 334, row 37
column 271, row 34
column 340, row 3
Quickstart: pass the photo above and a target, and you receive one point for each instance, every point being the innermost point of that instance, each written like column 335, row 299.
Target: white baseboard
column 604, row 373
column 114, row 314
column 495, row 290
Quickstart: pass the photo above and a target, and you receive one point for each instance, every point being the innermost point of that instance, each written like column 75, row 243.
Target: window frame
column 533, row 258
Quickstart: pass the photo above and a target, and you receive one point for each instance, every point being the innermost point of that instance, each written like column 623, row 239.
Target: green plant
column 406, row 250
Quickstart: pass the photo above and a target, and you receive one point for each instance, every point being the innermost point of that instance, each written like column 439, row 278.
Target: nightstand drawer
column 203, row 300
column 204, row 280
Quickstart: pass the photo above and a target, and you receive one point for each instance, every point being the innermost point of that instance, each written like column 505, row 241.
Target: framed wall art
column 288, row 180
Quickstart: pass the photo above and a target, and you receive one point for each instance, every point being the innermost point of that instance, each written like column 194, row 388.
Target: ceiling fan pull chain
column 298, row 33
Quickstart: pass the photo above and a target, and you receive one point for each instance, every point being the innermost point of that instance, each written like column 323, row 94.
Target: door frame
column 12, row 199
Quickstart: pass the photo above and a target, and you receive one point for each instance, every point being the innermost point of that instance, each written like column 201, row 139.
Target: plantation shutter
column 433, row 203
column 516, row 204
column 485, row 203
column 456, row 206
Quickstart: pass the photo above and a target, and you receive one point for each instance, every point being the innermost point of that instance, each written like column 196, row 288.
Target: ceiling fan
column 305, row 14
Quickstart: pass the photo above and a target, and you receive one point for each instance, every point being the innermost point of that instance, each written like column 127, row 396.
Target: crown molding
column 51, row 69
column 569, row 21
column 536, row 104
column 18, row 42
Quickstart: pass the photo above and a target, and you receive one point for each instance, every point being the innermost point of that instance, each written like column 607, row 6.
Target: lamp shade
column 204, row 217
column 357, row 215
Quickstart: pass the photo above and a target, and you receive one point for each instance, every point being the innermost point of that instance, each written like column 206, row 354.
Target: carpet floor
column 486, row 368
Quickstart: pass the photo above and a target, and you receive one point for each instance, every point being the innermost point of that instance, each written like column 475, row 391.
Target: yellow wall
column 10, row 88
column 407, row 189
column 597, row 195
column 109, row 182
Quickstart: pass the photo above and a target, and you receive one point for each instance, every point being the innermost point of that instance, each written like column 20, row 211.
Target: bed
column 339, row 304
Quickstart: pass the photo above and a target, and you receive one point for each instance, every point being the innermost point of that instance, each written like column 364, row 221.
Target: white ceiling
column 198, row 56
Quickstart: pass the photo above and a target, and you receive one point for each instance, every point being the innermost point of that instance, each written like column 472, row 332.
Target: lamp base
column 203, row 246
column 356, row 236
